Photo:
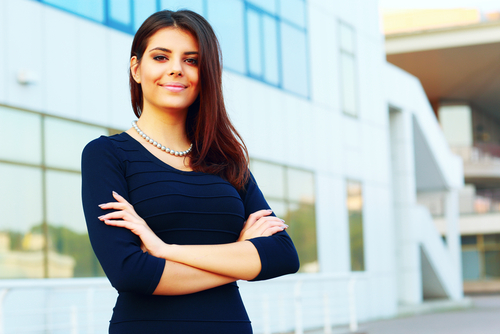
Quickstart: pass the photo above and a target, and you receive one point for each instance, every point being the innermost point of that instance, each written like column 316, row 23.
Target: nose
column 176, row 69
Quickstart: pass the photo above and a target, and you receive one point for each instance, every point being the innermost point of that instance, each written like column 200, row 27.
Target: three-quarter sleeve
column 117, row 249
column 277, row 253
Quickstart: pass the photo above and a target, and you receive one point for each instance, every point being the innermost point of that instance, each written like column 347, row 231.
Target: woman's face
column 168, row 71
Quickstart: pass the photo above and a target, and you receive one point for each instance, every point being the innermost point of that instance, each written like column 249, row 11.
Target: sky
column 483, row 5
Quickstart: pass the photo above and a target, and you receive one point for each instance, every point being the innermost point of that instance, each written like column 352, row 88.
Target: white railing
column 292, row 304
column 298, row 303
column 56, row 305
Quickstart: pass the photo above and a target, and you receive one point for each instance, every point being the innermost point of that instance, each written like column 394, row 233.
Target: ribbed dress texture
column 181, row 208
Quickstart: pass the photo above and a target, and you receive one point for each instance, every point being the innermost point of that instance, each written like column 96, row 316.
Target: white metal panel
column 93, row 72
column 332, row 224
column 323, row 57
column 62, row 58
column 3, row 61
column 120, row 112
column 24, row 47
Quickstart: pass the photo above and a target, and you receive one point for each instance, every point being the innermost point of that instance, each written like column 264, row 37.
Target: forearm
column 238, row 259
column 181, row 279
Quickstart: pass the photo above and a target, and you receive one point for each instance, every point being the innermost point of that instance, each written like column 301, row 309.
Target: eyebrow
column 169, row 51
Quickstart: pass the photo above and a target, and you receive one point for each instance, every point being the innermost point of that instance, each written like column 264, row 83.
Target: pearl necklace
column 160, row 146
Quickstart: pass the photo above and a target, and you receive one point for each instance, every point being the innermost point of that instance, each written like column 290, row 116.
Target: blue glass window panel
column 293, row 11
column 471, row 269
column 254, row 43
column 142, row 10
column 270, row 6
column 92, row 9
column 271, row 67
column 294, row 60
column 119, row 11
column 194, row 5
column 227, row 19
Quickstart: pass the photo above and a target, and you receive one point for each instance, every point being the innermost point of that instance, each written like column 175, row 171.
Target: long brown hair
column 217, row 147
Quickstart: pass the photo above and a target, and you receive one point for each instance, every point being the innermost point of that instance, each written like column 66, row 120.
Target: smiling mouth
column 174, row 87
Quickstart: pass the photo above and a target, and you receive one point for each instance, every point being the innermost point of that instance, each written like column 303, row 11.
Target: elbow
column 134, row 275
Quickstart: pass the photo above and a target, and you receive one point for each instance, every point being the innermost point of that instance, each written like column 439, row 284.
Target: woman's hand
column 125, row 216
column 261, row 224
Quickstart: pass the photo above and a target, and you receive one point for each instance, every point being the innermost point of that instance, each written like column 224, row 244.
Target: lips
column 174, row 87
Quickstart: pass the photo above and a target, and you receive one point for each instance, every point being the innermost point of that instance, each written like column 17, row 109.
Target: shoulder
column 104, row 147
column 104, row 144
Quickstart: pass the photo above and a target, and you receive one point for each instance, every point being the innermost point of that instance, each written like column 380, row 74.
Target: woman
column 175, row 227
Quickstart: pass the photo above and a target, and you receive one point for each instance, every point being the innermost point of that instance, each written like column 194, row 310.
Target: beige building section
column 400, row 21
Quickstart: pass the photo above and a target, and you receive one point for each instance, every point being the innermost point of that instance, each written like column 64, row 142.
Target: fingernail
column 282, row 220
column 286, row 226
column 100, row 217
column 115, row 193
column 269, row 210
column 101, row 205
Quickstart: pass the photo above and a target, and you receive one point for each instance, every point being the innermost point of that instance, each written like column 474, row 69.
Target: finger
column 269, row 224
column 137, row 229
column 117, row 214
column 120, row 198
column 259, row 224
column 273, row 230
column 254, row 217
column 113, row 205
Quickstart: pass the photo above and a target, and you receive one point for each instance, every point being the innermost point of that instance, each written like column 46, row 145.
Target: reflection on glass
column 348, row 76
column 64, row 142
column 468, row 240
column 279, row 208
column 293, row 11
column 271, row 68
column 492, row 239
column 254, row 43
column 355, row 209
column 267, row 5
column 119, row 11
column 302, row 230
column 226, row 17
column 470, row 265
column 492, row 264
column 300, row 185
column 70, row 250
column 194, row 5
column 142, row 10
column 25, row 125
column 294, row 60
column 93, row 9
column 290, row 193
column 21, row 245
column 270, row 178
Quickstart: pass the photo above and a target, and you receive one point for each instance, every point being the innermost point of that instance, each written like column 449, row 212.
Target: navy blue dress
column 181, row 208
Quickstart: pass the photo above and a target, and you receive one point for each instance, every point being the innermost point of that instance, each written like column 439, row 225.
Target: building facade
column 340, row 143
column 455, row 58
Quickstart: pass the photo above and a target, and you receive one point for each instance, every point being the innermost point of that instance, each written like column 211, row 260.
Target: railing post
column 3, row 293
column 326, row 309
column 74, row 320
column 353, row 320
column 266, row 314
column 299, row 326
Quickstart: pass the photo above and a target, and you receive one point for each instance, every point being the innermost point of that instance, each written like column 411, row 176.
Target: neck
column 168, row 128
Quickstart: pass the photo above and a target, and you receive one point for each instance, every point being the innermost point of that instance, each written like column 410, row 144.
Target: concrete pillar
column 453, row 242
column 409, row 272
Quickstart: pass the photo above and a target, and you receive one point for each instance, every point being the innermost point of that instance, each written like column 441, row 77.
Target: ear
column 135, row 69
